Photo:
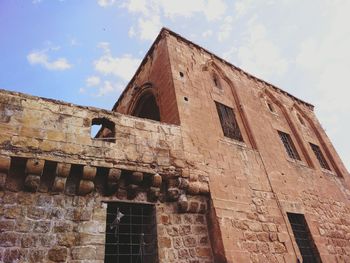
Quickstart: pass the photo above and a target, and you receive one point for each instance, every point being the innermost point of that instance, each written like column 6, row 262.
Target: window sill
column 328, row 172
column 297, row 162
column 233, row 142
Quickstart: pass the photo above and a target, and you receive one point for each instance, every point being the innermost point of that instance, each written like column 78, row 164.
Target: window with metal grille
column 131, row 233
column 303, row 238
column 288, row 145
column 228, row 122
column 320, row 156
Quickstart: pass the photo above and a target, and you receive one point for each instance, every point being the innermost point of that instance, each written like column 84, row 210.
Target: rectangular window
column 131, row 233
column 228, row 122
column 288, row 145
column 320, row 156
column 303, row 238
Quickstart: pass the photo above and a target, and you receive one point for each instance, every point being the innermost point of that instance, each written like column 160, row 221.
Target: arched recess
column 214, row 69
column 320, row 139
column 144, row 103
column 291, row 126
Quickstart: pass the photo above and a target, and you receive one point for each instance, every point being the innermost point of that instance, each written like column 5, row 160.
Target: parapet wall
column 56, row 182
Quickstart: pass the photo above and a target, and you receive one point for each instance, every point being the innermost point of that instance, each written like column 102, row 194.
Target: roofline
column 167, row 30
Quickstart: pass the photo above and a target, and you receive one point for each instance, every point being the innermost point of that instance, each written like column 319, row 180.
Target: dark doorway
column 146, row 107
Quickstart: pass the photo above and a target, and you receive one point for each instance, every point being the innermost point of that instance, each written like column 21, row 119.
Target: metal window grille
column 320, row 156
column 131, row 233
column 228, row 122
column 303, row 238
column 288, row 145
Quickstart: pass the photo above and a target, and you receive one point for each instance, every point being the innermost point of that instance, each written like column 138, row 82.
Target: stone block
column 63, row 169
column 203, row 252
column 35, row 167
column 5, row 162
column 81, row 253
column 85, row 187
column 3, row 177
column 89, row 172
column 59, row 184
column 32, row 182
column 58, row 254
column 9, row 239
column 164, row 242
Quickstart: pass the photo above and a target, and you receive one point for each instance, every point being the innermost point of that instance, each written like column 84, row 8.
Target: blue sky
column 86, row 53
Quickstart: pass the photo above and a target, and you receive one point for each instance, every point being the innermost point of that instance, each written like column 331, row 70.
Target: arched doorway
column 146, row 107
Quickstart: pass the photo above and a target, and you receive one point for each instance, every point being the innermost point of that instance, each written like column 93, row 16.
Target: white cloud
column 123, row 67
column 211, row 9
column 93, row 81
column 207, row 33
column 105, row 46
column 150, row 13
column 105, row 3
column 260, row 56
column 149, row 28
column 108, row 88
column 214, row 9
column 225, row 29
column 41, row 58
column 131, row 32
column 137, row 6
column 325, row 60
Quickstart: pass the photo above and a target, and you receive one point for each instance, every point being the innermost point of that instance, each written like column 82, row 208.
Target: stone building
column 198, row 161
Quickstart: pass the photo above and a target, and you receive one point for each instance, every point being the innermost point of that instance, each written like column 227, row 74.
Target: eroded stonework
column 216, row 199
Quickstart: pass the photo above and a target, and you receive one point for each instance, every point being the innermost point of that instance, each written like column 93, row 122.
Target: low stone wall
column 41, row 227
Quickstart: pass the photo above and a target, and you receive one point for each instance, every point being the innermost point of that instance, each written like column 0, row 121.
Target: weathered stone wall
column 254, row 184
column 41, row 227
column 54, row 179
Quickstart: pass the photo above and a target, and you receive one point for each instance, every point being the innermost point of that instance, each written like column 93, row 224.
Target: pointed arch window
column 228, row 122
column 147, row 107
column 216, row 81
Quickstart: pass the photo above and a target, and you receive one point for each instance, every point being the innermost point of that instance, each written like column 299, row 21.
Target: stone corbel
column 113, row 179
column 194, row 188
column 173, row 192
column 86, row 184
column 154, row 190
column 5, row 162
column 61, row 174
column 191, row 206
column 136, row 177
column 34, row 170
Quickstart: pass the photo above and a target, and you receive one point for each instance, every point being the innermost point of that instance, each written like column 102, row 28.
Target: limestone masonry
column 197, row 162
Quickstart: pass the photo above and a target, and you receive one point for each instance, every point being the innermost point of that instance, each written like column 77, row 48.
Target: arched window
column 216, row 81
column 146, row 107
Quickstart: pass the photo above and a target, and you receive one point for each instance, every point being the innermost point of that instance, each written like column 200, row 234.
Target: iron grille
column 303, row 238
column 228, row 122
column 131, row 233
column 320, row 156
column 288, row 145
